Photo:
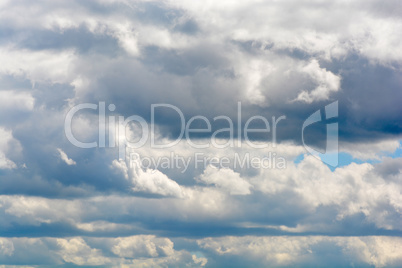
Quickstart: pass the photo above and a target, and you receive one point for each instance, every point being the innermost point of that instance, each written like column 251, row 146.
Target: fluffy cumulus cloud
column 174, row 133
column 226, row 179
column 325, row 80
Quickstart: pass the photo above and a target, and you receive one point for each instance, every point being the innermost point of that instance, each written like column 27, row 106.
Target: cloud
column 6, row 247
column 76, row 251
column 143, row 246
column 37, row 66
column 279, row 251
column 65, row 158
column 274, row 58
column 6, row 163
column 357, row 194
column 366, row 151
column 226, row 179
column 132, row 251
column 327, row 82
column 7, row 144
column 10, row 100
column 318, row 250
column 148, row 181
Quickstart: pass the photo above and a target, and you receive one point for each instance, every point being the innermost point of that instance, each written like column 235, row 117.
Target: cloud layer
column 62, row 205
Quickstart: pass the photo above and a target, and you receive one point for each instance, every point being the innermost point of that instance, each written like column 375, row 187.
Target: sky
column 200, row 133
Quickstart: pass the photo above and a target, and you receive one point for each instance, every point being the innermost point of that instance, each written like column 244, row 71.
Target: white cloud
column 12, row 100
column 254, row 73
column 226, row 179
column 102, row 226
column 76, row 251
column 132, row 251
column 148, row 181
column 326, row 82
column 36, row 210
column 380, row 251
column 6, row 163
column 348, row 28
column 37, row 66
column 65, row 158
column 285, row 251
column 128, row 38
column 151, row 251
column 353, row 189
column 201, row 261
column 370, row 150
column 147, row 246
column 356, row 189
column 7, row 144
column 6, row 247
column 262, row 53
